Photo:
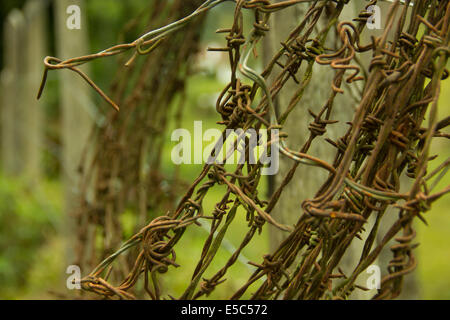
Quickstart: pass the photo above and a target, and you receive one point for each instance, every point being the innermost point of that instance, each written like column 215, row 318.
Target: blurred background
column 34, row 169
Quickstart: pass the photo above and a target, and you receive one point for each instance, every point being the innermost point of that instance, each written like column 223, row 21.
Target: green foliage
column 25, row 223
column 433, row 252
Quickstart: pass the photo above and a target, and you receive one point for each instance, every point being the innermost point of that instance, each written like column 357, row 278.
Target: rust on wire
column 386, row 139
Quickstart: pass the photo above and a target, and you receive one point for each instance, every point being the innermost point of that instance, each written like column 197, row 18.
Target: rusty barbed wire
column 385, row 140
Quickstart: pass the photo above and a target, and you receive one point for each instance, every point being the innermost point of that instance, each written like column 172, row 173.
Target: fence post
column 307, row 180
column 74, row 100
column 12, row 127
column 36, row 47
column 411, row 286
column 21, row 112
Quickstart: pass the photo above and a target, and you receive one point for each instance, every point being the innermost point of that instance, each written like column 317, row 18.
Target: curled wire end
column 52, row 63
column 48, row 65
column 43, row 82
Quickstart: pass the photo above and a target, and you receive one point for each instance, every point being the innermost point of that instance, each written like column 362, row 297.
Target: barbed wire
column 386, row 140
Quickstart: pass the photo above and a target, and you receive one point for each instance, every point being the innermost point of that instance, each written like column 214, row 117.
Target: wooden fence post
column 307, row 180
column 21, row 112
column 36, row 47
column 74, row 99
column 411, row 285
column 13, row 74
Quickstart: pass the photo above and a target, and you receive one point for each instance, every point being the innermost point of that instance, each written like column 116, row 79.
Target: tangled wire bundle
column 386, row 139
